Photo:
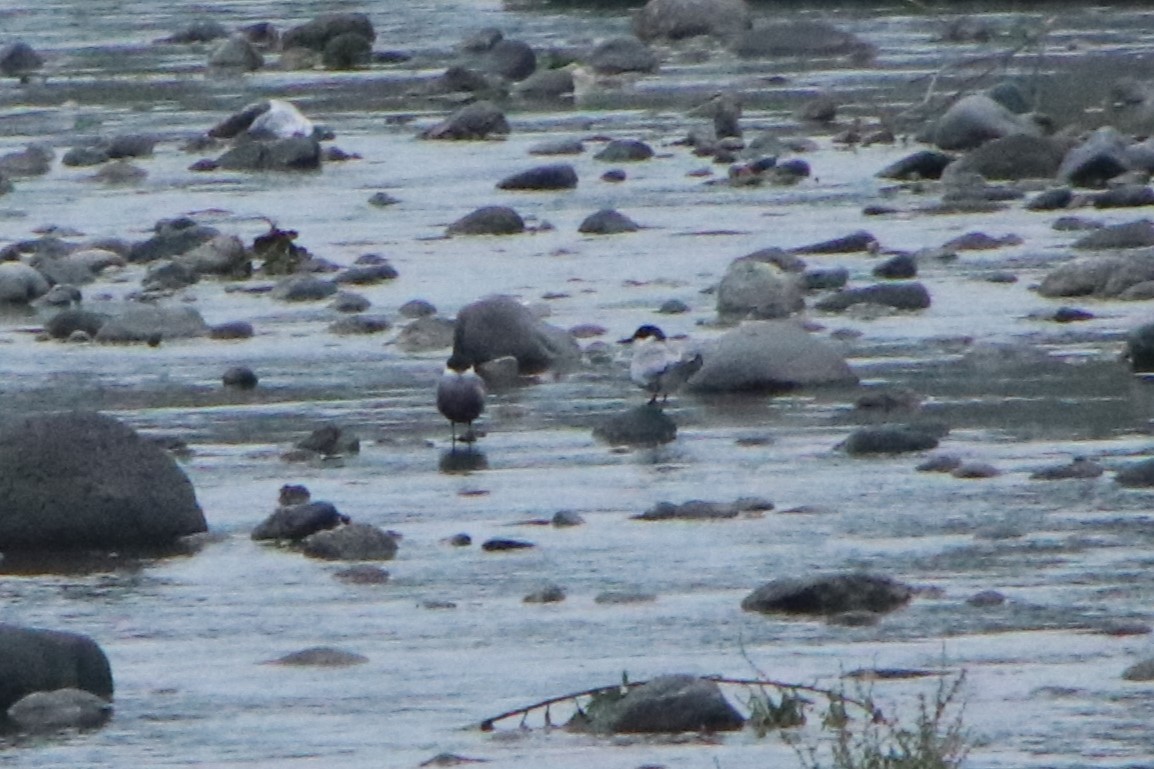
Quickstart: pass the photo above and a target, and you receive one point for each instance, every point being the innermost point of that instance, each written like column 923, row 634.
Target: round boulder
column 499, row 326
column 83, row 479
column 830, row 595
column 37, row 660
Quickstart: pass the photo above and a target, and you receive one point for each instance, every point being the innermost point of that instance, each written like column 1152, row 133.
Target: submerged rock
column 37, row 660
column 644, row 425
column 60, row 709
column 320, row 656
column 829, row 595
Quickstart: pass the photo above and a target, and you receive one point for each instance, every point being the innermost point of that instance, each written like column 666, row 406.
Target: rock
column 18, row 59
column 899, row 267
column 618, row 597
column 547, row 84
column 621, row 54
column 321, row 656
column 20, row 283
column 802, row 38
column 499, row 326
column 976, row 119
column 303, row 288
column 975, row 470
column 360, row 324
column 891, row 439
column 238, row 54
column 199, row 31
column 924, row 164
column 367, row 274
column 267, row 120
column 34, row 160
column 1018, row 156
column 425, row 334
column 70, row 708
column 382, row 200
column 693, row 510
column 847, row 244
column 488, row 220
column 234, row 329
column 240, row 377
column 556, row 176
column 330, row 440
column 296, row 153
column 673, row 307
column 82, row 479
column 317, row 33
column 820, row 109
column 478, row 120
column 678, row 19
column 563, row 519
column 350, row 302
column 119, row 172
column 769, row 355
column 173, row 237
column 1136, row 234
column 1051, row 200
column 362, row 574
column 148, row 323
column 940, row 463
column 1136, row 475
column 295, row 522
column 1079, row 467
column 986, row 598
column 347, row 51
column 1140, row 349
column 223, row 255
column 65, row 323
column 1140, row 671
column 511, row 59
column 607, row 221
column 80, row 157
column 546, row 594
column 644, row 425
column 1098, row 159
column 1101, row 276
column 825, row 279
column 758, row 289
column 37, row 660
column 1125, row 196
column 829, row 595
column 352, row 542
column 899, row 296
column 624, row 151
column 503, row 544
column 667, row 704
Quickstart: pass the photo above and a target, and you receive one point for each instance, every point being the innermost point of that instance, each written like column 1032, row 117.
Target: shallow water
column 186, row 635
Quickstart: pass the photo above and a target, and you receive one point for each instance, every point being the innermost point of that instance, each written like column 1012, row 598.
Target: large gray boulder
column 664, row 705
column 678, row 19
column 36, row 660
column 500, row 326
column 21, row 283
column 1117, row 276
column 769, row 355
column 976, row 119
column 759, row 290
column 1018, row 156
column 828, row 595
column 1097, row 160
column 85, row 480
column 152, row 323
column 320, row 31
column 474, row 121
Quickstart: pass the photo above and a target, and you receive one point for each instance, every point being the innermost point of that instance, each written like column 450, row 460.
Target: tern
column 460, row 396
column 658, row 366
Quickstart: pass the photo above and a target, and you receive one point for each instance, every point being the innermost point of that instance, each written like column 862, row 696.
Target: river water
column 186, row 636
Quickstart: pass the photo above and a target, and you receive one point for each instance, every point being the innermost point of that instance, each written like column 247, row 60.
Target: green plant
column 937, row 738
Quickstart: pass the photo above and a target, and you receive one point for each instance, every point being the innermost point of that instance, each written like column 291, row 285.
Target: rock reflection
column 467, row 460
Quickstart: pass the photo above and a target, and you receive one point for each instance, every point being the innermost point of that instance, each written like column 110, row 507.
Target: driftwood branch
column 487, row 725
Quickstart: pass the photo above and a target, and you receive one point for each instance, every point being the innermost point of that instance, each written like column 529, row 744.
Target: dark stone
column 84, row 480
column 130, row 146
column 556, row 176
column 501, row 544
column 59, row 709
column 621, row 54
column 1018, row 156
column 607, row 221
column 1136, row 475
column 847, row 244
column 488, row 220
column 1051, row 200
column 367, row 274
column 36, row 660
column 173, row 237
column 546, row 594
column 19, row 59
column 693, row 510
column 330, row 440
column 924, row 164
column 667, row 704
column 321, row 656
column 891, row 439
column 67, row 322
column 240, row 377
column 296, row 153
column 900, row 267
column 360, row 324
column 511, row 59
column 362, row 574
column 1136, row 234
column 236, row 329
column 500, row 326
column 624, row 151
column 473, row 121
column 825, row 278
column 900, row 296
column 803, row 38
column 352, row 542
column 317, row 33
column 613, row 175
column 295, row 522
column 81, row 157
column 1140, row 349
column 679, row 19
column 644, row 425
column 1125, row 196
column 200, row 31
column 303, row 288
column 829, row 595
column 1071, row 315
column 347, row 51
column 382, row 199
